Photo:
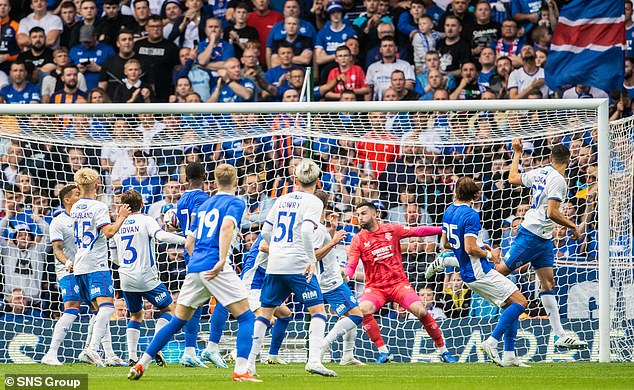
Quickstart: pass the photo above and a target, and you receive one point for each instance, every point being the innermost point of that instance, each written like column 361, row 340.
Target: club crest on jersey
column 366, row 244
column 388, row 236
column 82, row 206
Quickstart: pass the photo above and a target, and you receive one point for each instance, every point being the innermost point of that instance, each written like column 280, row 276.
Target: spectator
column 9, row 48
column 142, row 15
column 70, row 92
column 541, row 37
column 112, row 70
column 301, row 46
column 20, row 91
column 487, row 66
column 334, row 34
column 178, row 28
column 183, row 88
column 348, row 75
column 231, row 88
column 469, row 88
column 133, row 90
column 379, row 73
column 509, row 45
column 541, row 55
column 278, row 74
column 456, row 298
column 432, row 62
column 19, row 309
column 372, row 154
column 214, row 51
column 528, row 78
column 239, row 33
column 397, row 84
column 253, row 71
column 199, row 78
column 398, row 174
column 68, row 14
column 51, row 24
column 90, row 55
column 423, row 41
column 98, row 95
column 158, row 57
column 498, row 81
column 408, row 21
column 372, row 52
column 318, row 14
column 435, row 82
column 39, row 58
column 306, row 29
column 88, row 17
column 563, row 246
column 263, row 19
column 629, row 26
column 484, row 32
column 368, row 22
column 116, row 161
column 120, row 310
column 584, row 92
column 258, row 203
column 454, row 50
column 53, row 82
column 170, row 195
column 397, row 212
column 460, row 10
column 113, row 23
column 150, row 187
column 340, row 179
column 508, row 235
column 526, row 13
column 428, row 296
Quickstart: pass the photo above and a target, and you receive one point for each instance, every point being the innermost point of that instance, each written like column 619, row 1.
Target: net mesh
column 406, row 162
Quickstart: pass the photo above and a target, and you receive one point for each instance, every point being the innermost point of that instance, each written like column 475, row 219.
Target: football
column 170, row 221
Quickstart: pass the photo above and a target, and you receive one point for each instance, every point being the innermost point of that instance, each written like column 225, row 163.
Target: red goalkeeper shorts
column 401, row 293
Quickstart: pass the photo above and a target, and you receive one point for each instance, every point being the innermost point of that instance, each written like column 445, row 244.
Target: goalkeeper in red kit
column 378, row 247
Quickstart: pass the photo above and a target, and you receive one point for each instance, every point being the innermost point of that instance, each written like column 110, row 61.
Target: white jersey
column 62, row 229
column 545, row 183
column 135, row 252
column 327, row 270
column 287, row 254
column 89, row 216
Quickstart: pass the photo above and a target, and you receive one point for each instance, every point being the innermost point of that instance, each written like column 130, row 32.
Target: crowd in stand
column 170, row 51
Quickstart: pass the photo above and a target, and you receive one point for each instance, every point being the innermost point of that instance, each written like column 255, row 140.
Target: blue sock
column 356, row 319
column 191, row 329
column 166, row 316
column 165, row 335
column 244, row 339
column 277, row 334
column 510, row 335
column 134, row 325
column 72, row 311
column 217, row 323
column 507, row 318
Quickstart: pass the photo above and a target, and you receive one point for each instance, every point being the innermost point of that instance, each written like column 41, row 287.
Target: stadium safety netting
column 406, row 162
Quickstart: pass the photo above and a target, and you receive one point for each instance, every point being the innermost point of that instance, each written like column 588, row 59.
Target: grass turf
column 465, row 376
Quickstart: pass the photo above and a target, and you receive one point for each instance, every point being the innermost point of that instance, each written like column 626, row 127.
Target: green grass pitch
column 419, row 376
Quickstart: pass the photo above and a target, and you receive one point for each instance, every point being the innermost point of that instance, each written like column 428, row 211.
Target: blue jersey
column 460, row 221
column 227, row 95
column 248, row 261
column 206, row 228
column 150, row 189
column 30, row 93
column 330, row 40
column 99, row 54
column 526, row 7
column 222, row 52
column 186, row 210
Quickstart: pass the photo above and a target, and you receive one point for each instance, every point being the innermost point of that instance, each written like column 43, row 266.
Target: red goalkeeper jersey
column 380, row 252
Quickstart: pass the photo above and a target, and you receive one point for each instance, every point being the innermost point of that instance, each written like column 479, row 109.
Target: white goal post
column 311, row 121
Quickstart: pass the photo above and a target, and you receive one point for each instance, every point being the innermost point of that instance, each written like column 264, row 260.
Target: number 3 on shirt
column 285, row 222
column 452, row 235
column 129, row 248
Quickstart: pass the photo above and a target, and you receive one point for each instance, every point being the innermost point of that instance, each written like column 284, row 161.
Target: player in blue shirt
column 208, row 273
column 186, row 209
column 460, row 229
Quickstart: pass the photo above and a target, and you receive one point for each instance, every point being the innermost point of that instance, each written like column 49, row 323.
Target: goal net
column 405, row 157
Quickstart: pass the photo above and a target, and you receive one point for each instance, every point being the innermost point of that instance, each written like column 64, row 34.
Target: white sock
column 132, row 337
column 106, row 343
column 91, row 326
column 259, row 330
column 145, row 360
column 492, row 341
column 59, row 332
column 348, row 344
column 161, row 322
column 213, row 347
column 101, row 326
column 241, row 366
column 450, row 261
column 190, row 352
column 383, row 349
column 343, row 325
column 315, row 339
column 442, row 349
column 509, row 355
column 552, row 309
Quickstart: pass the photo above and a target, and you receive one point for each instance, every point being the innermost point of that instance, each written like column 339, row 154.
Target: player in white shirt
column 335, row 290
column 134, row 244
column 289, row 229
column 534, row 243
column 92, row 226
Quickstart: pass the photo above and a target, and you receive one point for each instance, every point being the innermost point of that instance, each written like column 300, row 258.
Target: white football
column 170, row 220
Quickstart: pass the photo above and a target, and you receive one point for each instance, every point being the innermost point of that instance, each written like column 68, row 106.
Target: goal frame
column 600, row 105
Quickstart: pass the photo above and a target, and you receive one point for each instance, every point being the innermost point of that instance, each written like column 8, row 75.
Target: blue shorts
column 341, row 299
column 158, row 296
column 276, row 288
column 69, row 288
column 95, row 284
column 530, row 248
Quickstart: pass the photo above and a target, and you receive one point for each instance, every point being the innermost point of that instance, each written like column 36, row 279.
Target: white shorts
column 227, row 288
column 254, row 299
column 494, row 287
